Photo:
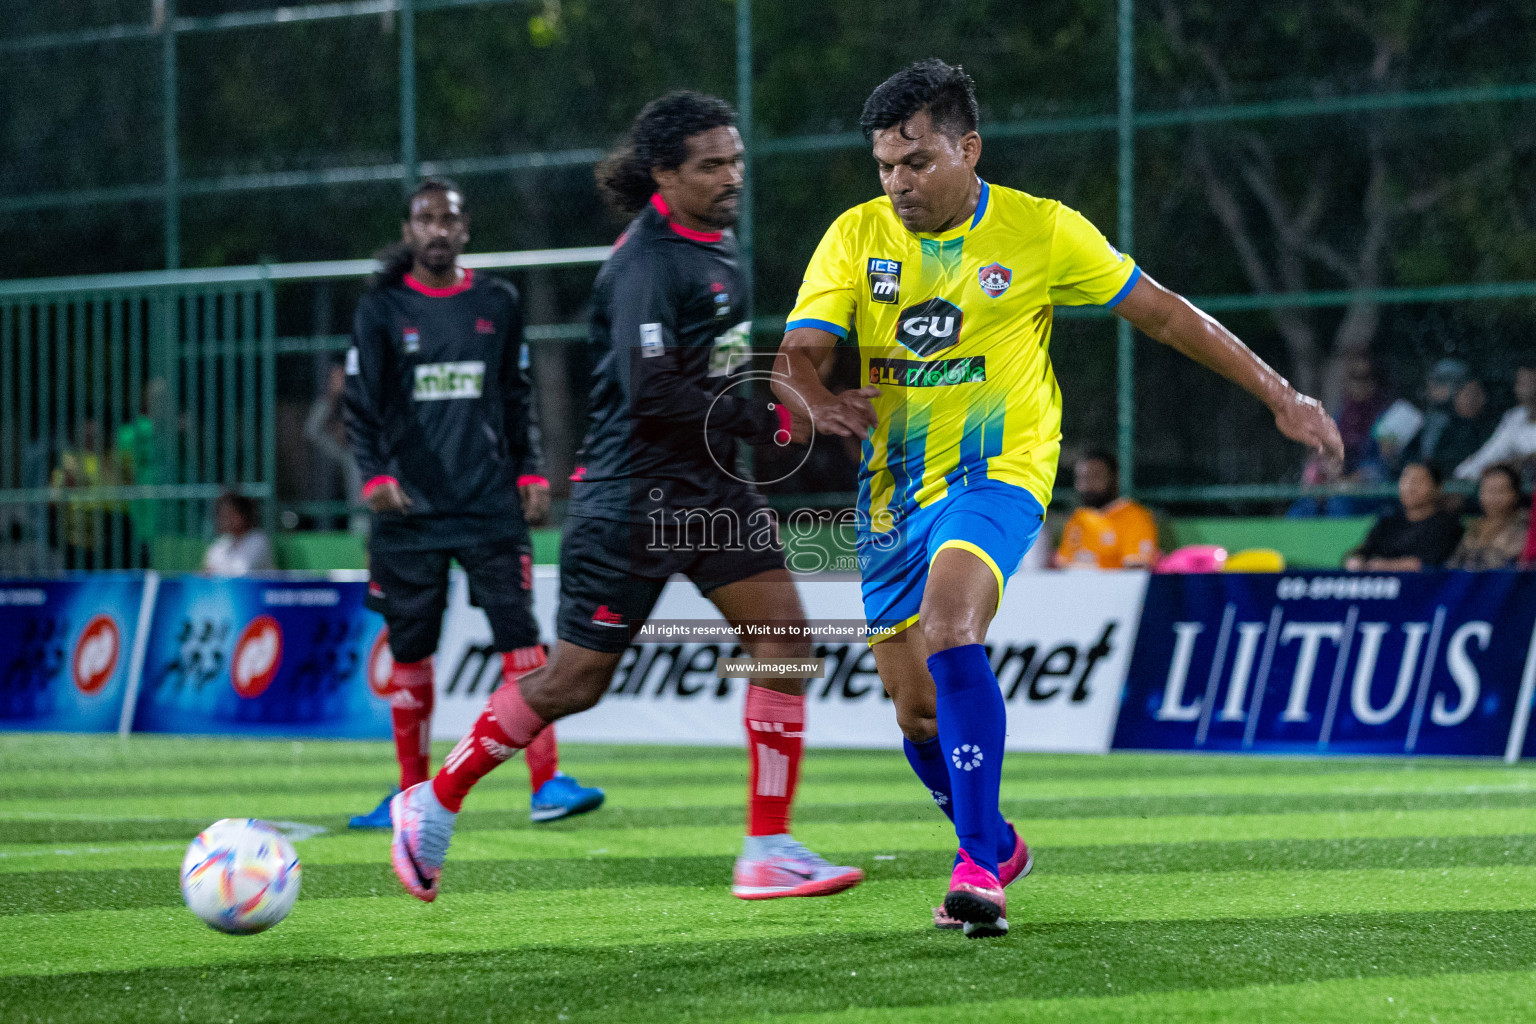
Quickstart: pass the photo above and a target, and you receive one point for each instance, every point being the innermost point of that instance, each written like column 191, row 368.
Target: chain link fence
column 1327, row 178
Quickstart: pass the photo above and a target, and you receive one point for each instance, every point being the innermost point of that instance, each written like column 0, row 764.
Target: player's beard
column 437, row 258
column 722, row 214
column 1095, row 499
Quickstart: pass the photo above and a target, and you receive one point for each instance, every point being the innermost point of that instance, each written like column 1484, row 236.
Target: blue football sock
column 927, row 760
column 972, row 727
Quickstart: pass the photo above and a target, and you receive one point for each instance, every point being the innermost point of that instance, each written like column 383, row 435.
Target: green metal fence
column 128, row 403
column 124, row 410
column 1124, row 122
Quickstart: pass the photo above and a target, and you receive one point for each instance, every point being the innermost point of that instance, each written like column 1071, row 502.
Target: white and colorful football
column 240, row 876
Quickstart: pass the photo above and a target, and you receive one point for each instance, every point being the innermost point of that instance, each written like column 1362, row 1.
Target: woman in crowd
column 1495, row 540
column 1420, row 534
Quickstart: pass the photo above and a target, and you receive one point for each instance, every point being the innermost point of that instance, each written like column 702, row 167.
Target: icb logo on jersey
column 995, row 279
column 258, row 653
column 929, row 327
column 884, row 280
column 96, row 654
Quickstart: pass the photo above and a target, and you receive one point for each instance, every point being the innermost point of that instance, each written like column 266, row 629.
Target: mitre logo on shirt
column 930, row 327
column 437, row 382
column 884, row 280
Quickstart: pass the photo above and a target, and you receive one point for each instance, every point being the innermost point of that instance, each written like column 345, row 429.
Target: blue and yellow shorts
column 996, row 522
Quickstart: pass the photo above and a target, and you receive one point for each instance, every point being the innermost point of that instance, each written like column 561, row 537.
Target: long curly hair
column 657, row 139
column 397, row 258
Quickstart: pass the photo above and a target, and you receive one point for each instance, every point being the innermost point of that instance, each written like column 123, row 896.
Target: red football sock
column 410, row 711
column 543, row 756
column 775, row 740
column 506, row 726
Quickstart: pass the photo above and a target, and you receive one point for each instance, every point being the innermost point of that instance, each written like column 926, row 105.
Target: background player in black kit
column 668, row 328
column 439, row 416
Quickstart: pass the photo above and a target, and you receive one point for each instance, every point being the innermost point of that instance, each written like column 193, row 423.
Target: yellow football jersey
column 955, row 329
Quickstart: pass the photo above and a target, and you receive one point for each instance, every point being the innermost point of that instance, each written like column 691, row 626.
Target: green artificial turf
column 1166, row 888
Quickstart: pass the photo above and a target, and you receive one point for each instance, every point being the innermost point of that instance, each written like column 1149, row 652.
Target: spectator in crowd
column 1362, row 399
column 138, row 459
column 240, row 547
column 1418, row 535
column 326, row 429
column 1454, row 422
column 1107, row 531
column 1496, row 539
column 82, row 531
column 1515, row 438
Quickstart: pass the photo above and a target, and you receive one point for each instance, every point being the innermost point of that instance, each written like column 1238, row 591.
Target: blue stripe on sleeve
column 1124, row 289
column 822, row 325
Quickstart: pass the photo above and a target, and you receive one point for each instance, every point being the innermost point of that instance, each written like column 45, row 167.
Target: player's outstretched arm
column 1173, row 320
column 797, row 384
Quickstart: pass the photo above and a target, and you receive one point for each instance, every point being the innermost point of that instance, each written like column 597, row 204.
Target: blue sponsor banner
column 264, row 657
column 65, row 651
column 1423, row 663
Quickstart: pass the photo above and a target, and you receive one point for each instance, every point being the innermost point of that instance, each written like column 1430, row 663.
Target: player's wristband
column 532, row 480
column 376, row 483
column 782, row 435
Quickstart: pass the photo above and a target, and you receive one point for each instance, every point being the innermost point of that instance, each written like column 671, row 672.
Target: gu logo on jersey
column 410, row 341
column 96, row 654
column 436, row 382
column 930, row 327
column 884, row 280
column 258, row 653
column 995, row 279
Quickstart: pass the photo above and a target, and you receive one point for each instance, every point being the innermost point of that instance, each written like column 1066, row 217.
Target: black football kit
column 657, row 489
column 437, row 401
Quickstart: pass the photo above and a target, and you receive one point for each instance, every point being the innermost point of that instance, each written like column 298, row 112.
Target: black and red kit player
column 667, row 418
column 439, row 414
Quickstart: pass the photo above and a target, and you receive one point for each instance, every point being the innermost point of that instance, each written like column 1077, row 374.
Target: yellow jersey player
column 949, row 284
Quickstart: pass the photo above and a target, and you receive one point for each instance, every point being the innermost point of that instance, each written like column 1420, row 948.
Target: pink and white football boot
column 423, row 829
column 775, row 866
column 1018, row 864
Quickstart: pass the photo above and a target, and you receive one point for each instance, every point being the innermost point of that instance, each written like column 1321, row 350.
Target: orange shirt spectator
column 1107, row 531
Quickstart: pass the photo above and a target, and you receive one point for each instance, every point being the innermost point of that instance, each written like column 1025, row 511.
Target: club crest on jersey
column 884, row 280
column 410, row 340
column 930, row 327
column 484, row 326
column 995, row 279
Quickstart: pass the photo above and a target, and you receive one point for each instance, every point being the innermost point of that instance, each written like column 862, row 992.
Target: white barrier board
column 1061, row 644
